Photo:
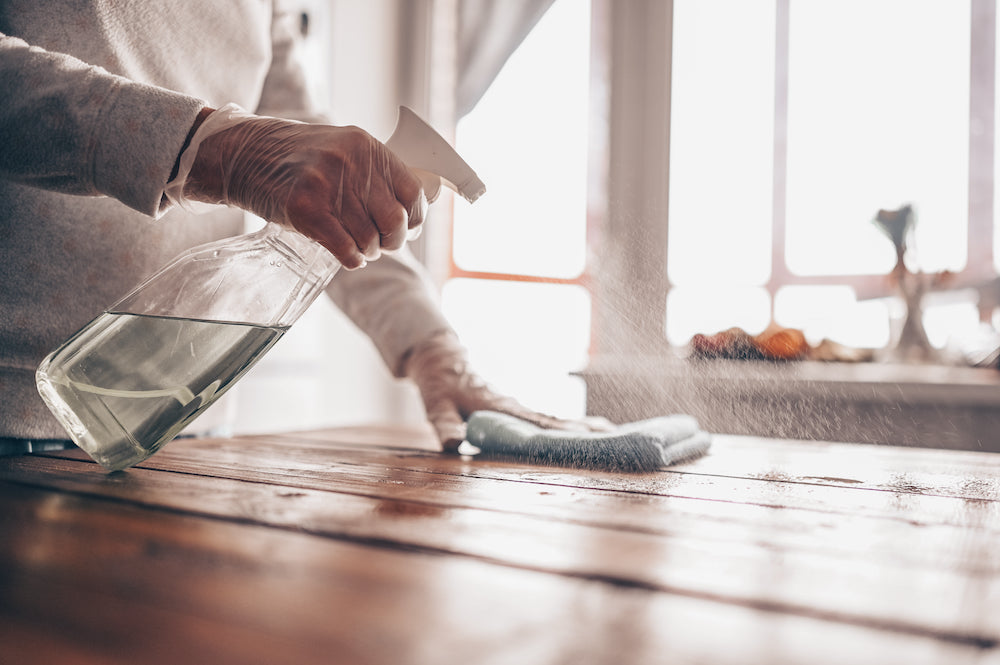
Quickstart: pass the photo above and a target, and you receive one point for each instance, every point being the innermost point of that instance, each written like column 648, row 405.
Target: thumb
column 449, row 425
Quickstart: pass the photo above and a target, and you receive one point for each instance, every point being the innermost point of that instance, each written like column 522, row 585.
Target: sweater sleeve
column 75, row 128
column 393, row 301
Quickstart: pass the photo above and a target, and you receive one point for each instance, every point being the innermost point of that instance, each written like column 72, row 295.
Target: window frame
column 630, row 70
column 979, row 268
column 633, row 161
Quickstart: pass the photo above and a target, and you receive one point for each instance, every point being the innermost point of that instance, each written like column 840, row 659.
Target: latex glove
column 451, row 392
column 336, row 185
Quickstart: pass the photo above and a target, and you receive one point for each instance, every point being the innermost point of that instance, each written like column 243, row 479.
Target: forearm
column 393, row 302
column 71, row 127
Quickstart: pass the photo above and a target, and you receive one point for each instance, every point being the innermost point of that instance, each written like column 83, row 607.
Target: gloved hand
column 336, row 185
column 451, row 392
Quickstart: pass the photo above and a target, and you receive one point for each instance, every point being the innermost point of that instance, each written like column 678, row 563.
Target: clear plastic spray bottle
column 130, row 380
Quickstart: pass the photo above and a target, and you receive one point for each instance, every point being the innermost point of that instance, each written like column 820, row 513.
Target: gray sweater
column 96, row 99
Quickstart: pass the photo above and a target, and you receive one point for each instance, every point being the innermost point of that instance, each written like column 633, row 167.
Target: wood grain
column 359, row 542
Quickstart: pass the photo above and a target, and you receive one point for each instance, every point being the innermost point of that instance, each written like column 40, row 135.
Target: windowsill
column 917, row 405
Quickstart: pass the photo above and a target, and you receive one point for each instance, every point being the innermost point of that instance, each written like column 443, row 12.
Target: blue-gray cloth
column 640, row 446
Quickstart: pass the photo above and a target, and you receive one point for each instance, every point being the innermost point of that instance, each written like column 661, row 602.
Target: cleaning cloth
column 640, row 446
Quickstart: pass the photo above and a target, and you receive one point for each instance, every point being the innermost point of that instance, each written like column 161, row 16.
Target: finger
column 358, row 222
column 396, row 202
column 418, row 212
column 443, row 414
column 598, row 424
column 342, row 245
column 543, row 420
column 390, row 220
column 328, row 231
column 450, row 428
column 308, row 210
column 409, row 192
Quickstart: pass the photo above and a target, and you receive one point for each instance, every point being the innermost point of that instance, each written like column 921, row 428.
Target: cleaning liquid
column 119, row 387
column 140, row 372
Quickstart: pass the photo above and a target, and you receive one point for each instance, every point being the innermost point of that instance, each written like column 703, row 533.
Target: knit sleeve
column 71, row 127
column 392, row 301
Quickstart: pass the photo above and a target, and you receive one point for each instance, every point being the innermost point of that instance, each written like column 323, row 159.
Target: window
column 791, row 125
column 721, row 161
column 516, row 294
column 787, row 126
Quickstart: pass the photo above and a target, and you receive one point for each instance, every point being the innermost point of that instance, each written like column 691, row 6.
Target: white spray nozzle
column 432, row 158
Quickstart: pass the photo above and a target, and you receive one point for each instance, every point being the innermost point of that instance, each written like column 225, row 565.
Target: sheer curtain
column 489, row 31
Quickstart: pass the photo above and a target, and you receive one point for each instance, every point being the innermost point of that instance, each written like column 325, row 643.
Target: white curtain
column 489, row 31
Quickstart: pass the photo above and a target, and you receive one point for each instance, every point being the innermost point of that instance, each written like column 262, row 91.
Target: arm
column 75, row 128
column 336, row 185
column 392, row 300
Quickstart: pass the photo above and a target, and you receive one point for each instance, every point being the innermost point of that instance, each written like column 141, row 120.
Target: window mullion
column 779, row 266
column 982, row 132
column 630, row 296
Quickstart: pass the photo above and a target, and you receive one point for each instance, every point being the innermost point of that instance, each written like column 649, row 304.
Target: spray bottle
column 146, row 367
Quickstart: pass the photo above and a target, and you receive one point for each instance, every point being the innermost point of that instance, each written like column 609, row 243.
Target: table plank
column 959, row 474
column 893, row 469
column 951, row 602
column 89, row 580
column 762, row 484
column 421, row 438
column 727, row 520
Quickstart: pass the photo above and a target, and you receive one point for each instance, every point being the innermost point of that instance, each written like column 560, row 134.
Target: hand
column 451, row 391
column 336, row 185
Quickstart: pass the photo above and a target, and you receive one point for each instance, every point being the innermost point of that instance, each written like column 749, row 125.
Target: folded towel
column 640, row 446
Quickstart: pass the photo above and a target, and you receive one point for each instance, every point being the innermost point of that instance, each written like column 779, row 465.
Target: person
column 99, row 101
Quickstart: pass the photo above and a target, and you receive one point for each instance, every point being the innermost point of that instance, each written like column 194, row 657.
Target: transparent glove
column 451, row 392
column 336, row 185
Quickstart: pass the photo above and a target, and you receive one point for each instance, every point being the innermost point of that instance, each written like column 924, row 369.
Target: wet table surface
column 360, row 545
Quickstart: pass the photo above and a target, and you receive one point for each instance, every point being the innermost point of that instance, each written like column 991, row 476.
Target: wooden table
column 359, row 545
